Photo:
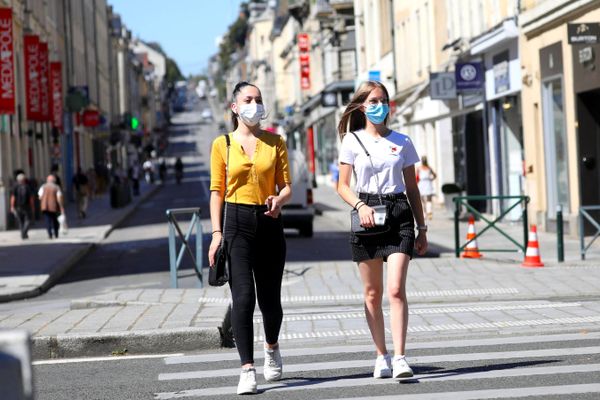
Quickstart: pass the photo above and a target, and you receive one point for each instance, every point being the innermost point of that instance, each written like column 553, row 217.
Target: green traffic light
column 135, row 123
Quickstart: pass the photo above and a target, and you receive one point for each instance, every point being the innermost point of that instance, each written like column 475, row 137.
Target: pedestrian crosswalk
column 477, row 368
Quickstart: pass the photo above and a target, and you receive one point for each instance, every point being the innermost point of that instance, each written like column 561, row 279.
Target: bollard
column 560, row 244
column 16, row 381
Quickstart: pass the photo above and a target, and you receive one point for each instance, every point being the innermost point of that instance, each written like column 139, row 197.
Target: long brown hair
column 353, row 118
column 236, row 90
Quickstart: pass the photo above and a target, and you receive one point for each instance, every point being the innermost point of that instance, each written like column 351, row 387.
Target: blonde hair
column 353, row 118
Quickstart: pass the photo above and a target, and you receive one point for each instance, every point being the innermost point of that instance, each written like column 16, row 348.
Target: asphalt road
column 476, row 368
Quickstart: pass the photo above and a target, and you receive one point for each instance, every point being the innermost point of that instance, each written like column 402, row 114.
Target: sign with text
column 304, row 56
column 7, row 63
column 585, row 33
column 442, row 85
column 44, row 83
column 56, row 101
column 469, row 76
column 32, row 78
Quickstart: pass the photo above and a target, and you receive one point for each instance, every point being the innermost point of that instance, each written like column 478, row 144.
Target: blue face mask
column 377, row 112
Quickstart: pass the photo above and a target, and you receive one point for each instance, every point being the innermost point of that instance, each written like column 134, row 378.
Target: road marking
column 422, row 311
column 359, row 296
column 228, row 355
column 491, row 393
column 444, row 358
column 96, row 359
column 328, row 383
column 443, row 327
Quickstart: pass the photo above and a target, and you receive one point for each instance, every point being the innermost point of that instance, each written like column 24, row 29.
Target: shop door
column 588, row 116
column 475, row 158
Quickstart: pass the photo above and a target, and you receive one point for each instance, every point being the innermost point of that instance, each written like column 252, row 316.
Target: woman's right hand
column 367, row 220
column 212, row 249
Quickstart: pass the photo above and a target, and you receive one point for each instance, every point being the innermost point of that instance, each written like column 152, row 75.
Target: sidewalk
column 30, row 267
column 174, row 320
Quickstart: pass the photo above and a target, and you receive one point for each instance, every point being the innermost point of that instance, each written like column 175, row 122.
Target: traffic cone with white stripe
column 471, row 250
column 532, row 255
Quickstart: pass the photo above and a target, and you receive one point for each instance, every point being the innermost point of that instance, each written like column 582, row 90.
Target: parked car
column 299, row 212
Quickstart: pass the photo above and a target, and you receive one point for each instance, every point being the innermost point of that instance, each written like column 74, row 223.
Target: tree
column 173, row 73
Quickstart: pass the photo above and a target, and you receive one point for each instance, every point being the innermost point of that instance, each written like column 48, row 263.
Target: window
column 386, row 28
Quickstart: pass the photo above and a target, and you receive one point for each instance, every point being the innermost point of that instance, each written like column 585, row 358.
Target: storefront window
column 557, row 178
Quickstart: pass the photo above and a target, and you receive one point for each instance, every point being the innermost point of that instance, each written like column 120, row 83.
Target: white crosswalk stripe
column 440, row 362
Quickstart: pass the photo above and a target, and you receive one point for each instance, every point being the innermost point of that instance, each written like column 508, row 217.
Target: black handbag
column 218, row 274
column 355, row 225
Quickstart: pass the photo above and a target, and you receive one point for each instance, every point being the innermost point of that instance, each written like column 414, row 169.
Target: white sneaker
column 383, row 367
column 273, row 368
column 401, row 367
column 247, row 383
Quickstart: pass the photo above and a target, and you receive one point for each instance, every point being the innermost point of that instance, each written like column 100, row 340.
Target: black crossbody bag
column 355, row 225
column 218, row 274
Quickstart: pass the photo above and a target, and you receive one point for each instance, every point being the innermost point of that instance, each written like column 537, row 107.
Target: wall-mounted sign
column 32, row 78
column 329, row 99
column 56, row 101
column 7, row 63
column 501, row 72
column 375, row 75
column 44, row 83
column 90, row 118
column 585, row 33
column 304, row 49
column 469, row 76
column 442, row 85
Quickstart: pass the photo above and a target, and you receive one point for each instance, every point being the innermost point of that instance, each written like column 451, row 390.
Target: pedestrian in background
column 178, row 170
column 51, row 203
column 388, row 171
column 92, row 182
column 135, row 177
column 259, row 185
column 80, row 183
column 22, row 205
column 426, row 176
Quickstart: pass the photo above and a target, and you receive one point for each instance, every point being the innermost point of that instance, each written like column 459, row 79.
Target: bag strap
column 228, row 141
column 372, row 166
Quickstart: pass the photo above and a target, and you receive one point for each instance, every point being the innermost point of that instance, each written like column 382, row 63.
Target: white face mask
column 251, row 113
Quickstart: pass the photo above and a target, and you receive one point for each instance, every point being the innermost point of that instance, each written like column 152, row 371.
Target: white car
column 207, row 114
column 299, row 212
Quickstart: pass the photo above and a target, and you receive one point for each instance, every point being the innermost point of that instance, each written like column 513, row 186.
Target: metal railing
column 585, row 215
column 463, row 201
column 176, row 255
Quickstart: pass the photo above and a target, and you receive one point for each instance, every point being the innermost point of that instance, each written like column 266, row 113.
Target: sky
column 186, row 29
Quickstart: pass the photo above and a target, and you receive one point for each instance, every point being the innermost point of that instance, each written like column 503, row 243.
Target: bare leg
column 371, row 273
column 397, row 269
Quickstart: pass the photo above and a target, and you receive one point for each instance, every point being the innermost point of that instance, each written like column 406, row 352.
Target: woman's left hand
column 274, row 206
column 421, row 243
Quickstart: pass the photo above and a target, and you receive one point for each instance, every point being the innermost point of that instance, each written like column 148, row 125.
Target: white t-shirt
column 390, row 155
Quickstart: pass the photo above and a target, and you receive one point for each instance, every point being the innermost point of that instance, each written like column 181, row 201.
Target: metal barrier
column 463, row 201
column 175, row 256
column 583, row 215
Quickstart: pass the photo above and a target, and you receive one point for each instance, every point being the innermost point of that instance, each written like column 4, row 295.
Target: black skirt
column 399, row 239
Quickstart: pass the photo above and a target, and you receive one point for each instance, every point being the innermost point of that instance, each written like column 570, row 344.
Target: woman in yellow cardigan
column 258, row 185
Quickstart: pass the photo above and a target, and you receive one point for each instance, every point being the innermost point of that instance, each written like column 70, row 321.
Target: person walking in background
column 51, row 203
column 135, row 177
column 22, row 205
column 178, row 170
column 259, row 184
column 92, row 182
column 80, row 183
column 426, row 176
column 387, row 170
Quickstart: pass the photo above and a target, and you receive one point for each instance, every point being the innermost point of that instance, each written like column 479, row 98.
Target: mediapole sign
column 33, row 93
column 7, row 63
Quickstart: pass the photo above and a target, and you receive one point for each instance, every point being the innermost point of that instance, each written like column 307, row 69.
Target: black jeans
column 24, row 220
column 256, row 248
column 52, row 224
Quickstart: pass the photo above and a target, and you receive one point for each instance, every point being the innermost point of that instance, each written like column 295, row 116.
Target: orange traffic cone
column 532, row 255
column 471, row 250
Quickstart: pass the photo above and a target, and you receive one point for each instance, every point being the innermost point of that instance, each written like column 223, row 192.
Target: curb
column 122, row 343
column 56, row 274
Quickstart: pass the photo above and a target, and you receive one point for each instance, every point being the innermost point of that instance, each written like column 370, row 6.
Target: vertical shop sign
column 304, row 50
column 32, row 78
column 7, row 63
column 44, row 83
column 56, row 102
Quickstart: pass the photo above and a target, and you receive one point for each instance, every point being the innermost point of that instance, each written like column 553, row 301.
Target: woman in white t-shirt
column 390, row 172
